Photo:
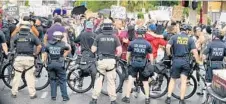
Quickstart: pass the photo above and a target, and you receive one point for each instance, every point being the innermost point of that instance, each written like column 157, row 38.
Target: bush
column 140, row 16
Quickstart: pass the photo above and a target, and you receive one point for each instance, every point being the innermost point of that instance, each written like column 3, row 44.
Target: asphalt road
column 75, row 98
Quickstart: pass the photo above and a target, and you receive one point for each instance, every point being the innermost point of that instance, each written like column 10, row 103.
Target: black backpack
column 6, row 31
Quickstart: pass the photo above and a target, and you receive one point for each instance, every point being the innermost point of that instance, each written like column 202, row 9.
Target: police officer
column 214, row 53
column 105, row 46
column 137, row 53
column 181, row 46
column 24, row 43
column 57, row 50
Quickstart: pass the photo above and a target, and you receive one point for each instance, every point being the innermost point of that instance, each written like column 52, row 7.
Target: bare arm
column 66, row 53
column 196, row 55
column 45, row 39
column 168, row 47
column 93, row 49
column 5, row 48
column 119, row 51
column 128, row 56
column 151, row 58
column 38, row 49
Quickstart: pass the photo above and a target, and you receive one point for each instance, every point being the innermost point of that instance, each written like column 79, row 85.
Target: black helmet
column 141, row 30
column 107, row 27
column 217, row 33
column 185, row 27
column 209, row 29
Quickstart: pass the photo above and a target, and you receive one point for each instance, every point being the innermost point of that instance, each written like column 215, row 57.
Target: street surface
column 75, row 98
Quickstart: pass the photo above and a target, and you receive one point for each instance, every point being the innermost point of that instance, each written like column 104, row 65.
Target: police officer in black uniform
column 105, row 46
column 181, row 46
column 57, row 50
column 138, row 50
column 24, row 43
column 214, row 54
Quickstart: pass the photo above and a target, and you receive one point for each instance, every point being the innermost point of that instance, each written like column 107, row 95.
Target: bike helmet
column 141, row 30
column 57, row 35
column 189, row 28
column 25, row 25
column 185, row 27
column 217, row 33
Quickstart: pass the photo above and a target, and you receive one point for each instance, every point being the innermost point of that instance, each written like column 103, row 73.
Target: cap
column 89, row 24
column 152, row 27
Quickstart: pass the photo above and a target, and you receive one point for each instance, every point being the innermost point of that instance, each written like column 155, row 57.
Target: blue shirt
column 181, row 44
column 139, row 47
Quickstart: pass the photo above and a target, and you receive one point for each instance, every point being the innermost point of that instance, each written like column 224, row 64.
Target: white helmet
column 57, row 35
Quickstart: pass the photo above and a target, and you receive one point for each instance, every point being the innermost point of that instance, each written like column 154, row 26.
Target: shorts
column 134, row 71
column 180, row 66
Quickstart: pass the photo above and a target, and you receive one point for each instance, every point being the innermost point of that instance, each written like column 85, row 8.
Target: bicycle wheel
column 158, row 87
column 191, row 88
column 118, row 81
column 41, row 77
column 76, row 83
column 8, row 73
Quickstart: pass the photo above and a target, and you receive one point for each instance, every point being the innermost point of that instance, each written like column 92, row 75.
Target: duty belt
column 21, row 54
column 180, row 57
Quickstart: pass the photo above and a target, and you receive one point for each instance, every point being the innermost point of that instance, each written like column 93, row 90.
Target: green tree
column 27, row 3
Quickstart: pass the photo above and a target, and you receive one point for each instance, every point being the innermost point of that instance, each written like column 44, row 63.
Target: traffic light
column 194, row 4
column 185, row 3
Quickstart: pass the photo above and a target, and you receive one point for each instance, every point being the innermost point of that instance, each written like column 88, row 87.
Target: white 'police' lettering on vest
column 54, row 50
column 139, row 48
column 217, row 51
column 107, row 39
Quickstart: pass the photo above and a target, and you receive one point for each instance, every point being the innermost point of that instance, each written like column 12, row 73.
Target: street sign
column 13, row 11
column 160, row 15
column 35, row 2
column 177, row 13
column 223, row 17
column 118, row 12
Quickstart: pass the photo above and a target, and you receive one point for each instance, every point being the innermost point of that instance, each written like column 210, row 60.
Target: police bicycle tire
column 39, row 70
column 39, row 75
column 191, row 77
column 160, row 94
column 119, row 87
column 76, row 78
column 8, row 78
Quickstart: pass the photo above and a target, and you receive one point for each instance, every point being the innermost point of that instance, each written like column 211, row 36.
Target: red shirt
column 155, row 43
column 121, row 35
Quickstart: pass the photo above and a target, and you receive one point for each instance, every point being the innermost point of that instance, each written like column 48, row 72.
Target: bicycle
column 213, row 98
column 154, row 82
column 196, row 81
column 9, row 71
column 75, row 82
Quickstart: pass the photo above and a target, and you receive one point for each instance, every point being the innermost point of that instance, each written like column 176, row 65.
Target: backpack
column 6, row 31
column 138, row 62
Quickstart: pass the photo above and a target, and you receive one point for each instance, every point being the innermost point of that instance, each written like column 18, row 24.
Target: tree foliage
column 131, row 5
